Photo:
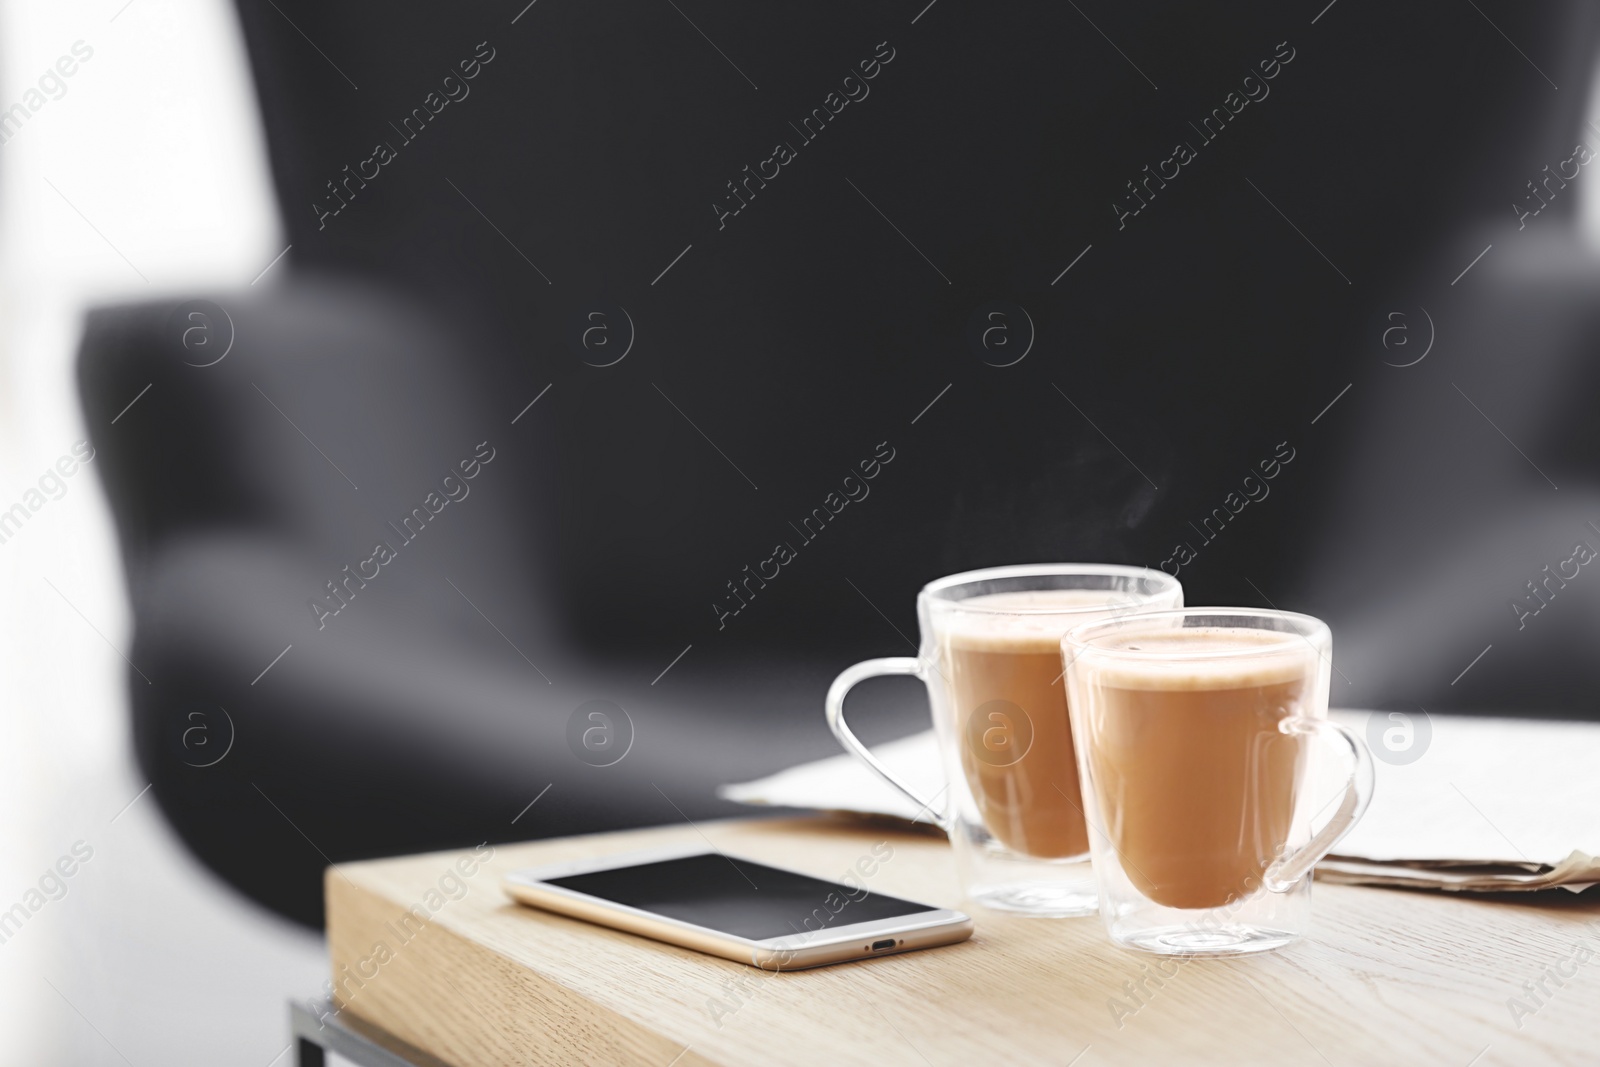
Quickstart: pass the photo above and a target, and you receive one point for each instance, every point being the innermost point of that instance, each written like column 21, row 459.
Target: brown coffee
column 1193, row 779
column 1009, row 714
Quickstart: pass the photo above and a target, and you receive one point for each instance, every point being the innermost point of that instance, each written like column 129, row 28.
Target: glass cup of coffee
column 991, row 659
column 1195, row 731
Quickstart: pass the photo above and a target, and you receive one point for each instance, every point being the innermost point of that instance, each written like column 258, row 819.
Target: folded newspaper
column 1462, row 803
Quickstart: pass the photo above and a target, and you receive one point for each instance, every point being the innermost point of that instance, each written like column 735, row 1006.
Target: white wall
column 139, row 176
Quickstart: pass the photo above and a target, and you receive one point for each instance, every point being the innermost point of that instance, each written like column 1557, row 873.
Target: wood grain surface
column 1385, row 977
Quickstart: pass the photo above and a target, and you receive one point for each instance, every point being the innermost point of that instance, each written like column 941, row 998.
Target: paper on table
column 840, row 783
column 1491, row 804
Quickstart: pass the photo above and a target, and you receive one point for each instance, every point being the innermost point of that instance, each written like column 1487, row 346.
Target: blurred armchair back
column 791, row 220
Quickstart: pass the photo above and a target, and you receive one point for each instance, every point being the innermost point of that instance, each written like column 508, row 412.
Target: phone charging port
column 887, row 942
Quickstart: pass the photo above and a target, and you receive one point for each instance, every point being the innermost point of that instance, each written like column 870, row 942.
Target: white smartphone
column 741, row 910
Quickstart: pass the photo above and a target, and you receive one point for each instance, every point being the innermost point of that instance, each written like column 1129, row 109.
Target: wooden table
column 1386, row 976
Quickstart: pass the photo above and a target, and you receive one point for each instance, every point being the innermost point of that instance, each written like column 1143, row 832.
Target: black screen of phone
column 738, row 897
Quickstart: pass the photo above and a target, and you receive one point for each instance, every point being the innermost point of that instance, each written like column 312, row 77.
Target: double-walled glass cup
column 991, row 659
column 1194, row 734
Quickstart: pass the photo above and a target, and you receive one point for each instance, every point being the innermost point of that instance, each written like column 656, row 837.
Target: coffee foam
column 1032, row 620
column 1234, row 658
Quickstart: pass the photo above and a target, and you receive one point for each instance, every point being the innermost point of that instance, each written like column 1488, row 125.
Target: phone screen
column 738, row 897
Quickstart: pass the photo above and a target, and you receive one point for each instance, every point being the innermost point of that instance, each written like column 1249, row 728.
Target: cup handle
column 1288, row 871
column 874, row 668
